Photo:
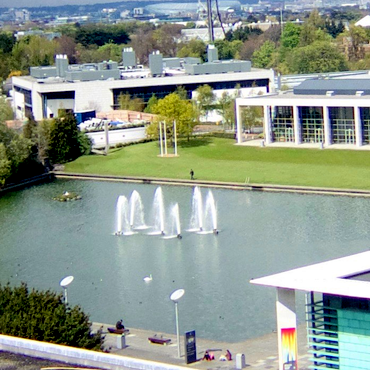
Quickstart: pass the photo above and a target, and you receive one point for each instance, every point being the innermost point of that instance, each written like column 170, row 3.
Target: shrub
column 43, row 316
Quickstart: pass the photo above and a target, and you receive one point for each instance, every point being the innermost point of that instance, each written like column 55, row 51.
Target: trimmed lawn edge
column 215, row 184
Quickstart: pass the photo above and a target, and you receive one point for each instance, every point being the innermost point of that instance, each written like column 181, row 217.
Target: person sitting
column 228, row 355
column 208, row 356
column 119, row 325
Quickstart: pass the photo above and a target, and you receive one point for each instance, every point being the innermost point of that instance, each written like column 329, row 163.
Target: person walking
column 191, row 175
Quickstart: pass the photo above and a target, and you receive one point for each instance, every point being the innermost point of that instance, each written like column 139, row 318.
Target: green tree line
column 319, row 44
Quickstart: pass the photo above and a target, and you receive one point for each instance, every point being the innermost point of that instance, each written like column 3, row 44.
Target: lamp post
column 64, row 283
column 175, row 296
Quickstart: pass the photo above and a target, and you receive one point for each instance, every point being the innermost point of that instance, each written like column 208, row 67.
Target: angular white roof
column 326, row 277
column 364, row 22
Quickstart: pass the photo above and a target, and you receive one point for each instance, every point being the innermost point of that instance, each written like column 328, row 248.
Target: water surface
column 43, row 241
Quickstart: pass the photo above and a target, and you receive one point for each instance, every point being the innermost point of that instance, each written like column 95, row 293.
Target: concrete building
column 337, row 313
column 48, row 90
column 319, row 112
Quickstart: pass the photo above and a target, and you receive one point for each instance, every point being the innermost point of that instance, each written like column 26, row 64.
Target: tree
column 249, row 47
column 193, row 48
column 7, row 41
column 165, row 38
column 18, row 149
column 290, row 36
column 334, row 28
column 67, row 45
column 33, row 51
column 99, row 34
column 204, row 98
column 289, row 39
column 242, row 33
column 264, row 56
column 318, row 57
column 65, row 139
column 127, row 103
column 43, row 135
column 228, row 49
column 144, row 44
column 252, row 116
column 181, row 92
column 172, row 108
column 225, row 107
column 43, row 316
column 151, row 103
column 5, row 165
column 6, row 111
column 358, row 37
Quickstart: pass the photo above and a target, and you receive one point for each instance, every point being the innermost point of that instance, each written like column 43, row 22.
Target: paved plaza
column 260, row 353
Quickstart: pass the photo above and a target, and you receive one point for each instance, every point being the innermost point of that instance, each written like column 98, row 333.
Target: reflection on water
column 42, row 241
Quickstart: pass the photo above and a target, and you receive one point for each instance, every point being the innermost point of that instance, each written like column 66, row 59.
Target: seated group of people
column 209, row 356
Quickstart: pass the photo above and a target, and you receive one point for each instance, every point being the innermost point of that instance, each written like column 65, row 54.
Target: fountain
column 200, row 222
column 130, row 215
column 196, row 219
column 174, row 222
column 211, row 213
column 136, row 212
column 123, row 226
column 158, row 213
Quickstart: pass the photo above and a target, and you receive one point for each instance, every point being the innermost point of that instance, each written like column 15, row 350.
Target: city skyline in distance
column 39, row 3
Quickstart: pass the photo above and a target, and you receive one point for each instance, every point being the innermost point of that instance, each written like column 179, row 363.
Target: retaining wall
column 77, row 356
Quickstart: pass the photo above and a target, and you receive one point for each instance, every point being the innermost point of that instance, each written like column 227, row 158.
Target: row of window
column 312, row 125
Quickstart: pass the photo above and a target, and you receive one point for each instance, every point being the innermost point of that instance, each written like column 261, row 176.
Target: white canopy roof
column 326, row 277
column 364, row 22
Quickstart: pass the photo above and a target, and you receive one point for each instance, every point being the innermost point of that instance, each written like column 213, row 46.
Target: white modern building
column 48, row 90
column 320, row 111
column 337, row 313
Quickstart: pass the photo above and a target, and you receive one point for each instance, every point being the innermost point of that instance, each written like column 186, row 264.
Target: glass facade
column 365, row 125
column 338, row 330
column 282, row 124
column 342, row 125
column 312, row 124
column 146, row 92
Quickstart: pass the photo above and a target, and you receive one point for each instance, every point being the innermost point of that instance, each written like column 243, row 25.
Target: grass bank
column 216, row 159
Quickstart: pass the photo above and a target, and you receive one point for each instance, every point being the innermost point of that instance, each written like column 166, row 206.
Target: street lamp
column 175, row 296
column 64, row 283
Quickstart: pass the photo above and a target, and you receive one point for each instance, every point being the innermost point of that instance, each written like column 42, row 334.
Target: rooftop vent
column 330, row 93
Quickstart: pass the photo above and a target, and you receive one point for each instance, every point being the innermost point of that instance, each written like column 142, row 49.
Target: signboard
column 190, row 347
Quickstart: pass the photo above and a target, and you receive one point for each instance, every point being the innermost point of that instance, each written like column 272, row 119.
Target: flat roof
column 54, row 84
column 290, row 95
column 331, row 277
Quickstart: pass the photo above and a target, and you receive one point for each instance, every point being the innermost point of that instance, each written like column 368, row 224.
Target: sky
column 32, row 3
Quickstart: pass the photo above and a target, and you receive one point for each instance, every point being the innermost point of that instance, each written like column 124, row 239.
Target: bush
column 43, row 316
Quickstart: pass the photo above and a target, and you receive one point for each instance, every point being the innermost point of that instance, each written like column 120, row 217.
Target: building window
column 282, row 124
column 342, row 125
column 365, row 124
column 312, row 124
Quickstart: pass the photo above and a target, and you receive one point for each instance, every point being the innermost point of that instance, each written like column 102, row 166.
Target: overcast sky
column 29, row 3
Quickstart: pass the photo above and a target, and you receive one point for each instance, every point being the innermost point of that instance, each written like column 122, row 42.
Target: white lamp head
column 66, row 281
column 177, row 294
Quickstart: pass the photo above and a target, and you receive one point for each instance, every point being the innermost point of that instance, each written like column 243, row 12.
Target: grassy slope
column 220, row 160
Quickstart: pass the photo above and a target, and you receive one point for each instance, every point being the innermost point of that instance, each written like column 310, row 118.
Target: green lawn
column 221, row 160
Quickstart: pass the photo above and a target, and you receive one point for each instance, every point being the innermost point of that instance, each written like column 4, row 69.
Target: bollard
column 240, row 361
column 121, row 341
